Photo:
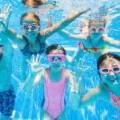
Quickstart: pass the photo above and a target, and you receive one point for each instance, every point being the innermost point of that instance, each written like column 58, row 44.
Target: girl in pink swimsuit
column 56, row 81
column 54, row 95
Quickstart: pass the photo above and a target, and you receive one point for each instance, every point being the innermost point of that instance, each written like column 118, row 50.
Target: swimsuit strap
column 115, row 99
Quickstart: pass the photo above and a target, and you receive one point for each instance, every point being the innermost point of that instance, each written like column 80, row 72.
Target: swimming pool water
column 26, row 107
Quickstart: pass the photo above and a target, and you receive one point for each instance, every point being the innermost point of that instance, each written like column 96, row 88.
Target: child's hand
column 35, row 73
column 81, row 45
column 35, row 66
column 4, row 15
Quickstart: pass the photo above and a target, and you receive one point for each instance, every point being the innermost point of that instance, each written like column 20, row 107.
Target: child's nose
column 111, row 72
column 29, row 29
column 56, row 59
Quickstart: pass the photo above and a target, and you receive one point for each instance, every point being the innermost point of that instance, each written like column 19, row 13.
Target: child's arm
column 62, row 24
column 69, row 35
column 73, row 87
column 78, row 53
column 91, row 96
column 15, row 38
column 111, row 41
column 35, row 75
column 81, row 36
column 4, row 20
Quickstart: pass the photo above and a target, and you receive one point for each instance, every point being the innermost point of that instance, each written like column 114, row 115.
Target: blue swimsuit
column 7, row 101
column 26, row 51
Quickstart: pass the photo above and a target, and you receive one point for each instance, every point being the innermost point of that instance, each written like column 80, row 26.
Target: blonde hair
column 32, row 3
column 32, row 16
column 97, row 21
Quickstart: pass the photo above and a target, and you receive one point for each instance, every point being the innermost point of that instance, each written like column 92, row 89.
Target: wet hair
column 32, row 3
column 104, row 56
column 55, row 47
column 34, row 16
column 97, row 21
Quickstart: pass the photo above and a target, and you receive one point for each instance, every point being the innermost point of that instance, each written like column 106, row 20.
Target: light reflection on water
column 26, row 106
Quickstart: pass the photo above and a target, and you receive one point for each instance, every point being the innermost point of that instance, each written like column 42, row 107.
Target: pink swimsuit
column 54, row 96
column 115, row 100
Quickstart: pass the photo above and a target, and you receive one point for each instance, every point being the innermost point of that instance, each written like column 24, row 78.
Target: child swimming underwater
column 109, row 71
column 33, row 41
column 7, row 93
column 95, row 40
column 55, row 81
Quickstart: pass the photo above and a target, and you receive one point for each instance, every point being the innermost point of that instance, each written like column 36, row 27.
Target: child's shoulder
column 17, row 35
column 69, row 75
column 46, row 71
column 67, row 72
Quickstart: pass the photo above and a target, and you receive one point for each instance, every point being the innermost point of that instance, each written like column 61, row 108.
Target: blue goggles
column 30, row 26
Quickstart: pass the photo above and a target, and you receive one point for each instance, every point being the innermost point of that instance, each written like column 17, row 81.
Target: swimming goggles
column 107, row 71
column 97, row 29
column 30, row 26
column 56, row 58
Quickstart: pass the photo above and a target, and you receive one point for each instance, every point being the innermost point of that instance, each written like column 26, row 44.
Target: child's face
column 96, row 27
column 56, row 59
column 110, row 74
column 96, row 30
column 30, row 27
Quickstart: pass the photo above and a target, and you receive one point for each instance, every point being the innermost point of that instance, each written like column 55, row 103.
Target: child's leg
column 7, row 104
column 46, row 116
column 63, row 116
